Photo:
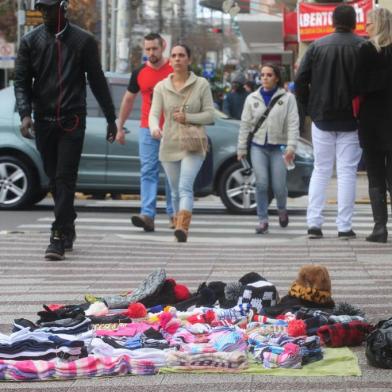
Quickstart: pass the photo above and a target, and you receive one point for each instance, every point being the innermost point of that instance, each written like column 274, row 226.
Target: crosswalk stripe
column 207, row 227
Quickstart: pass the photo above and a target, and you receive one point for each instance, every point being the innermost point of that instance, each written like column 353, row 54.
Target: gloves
column 111, row 131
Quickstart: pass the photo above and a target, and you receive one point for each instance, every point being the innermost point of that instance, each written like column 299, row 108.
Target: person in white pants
column 344, row 148
column 325, row 85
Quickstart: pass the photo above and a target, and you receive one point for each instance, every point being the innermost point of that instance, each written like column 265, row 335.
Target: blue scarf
column 267, row 95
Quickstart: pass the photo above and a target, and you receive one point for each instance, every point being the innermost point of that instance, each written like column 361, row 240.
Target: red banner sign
column 315, row 20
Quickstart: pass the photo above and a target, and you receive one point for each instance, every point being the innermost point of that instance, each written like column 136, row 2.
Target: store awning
column 262, row 33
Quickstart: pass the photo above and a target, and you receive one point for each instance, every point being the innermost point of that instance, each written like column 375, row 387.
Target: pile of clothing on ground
column 161, row 324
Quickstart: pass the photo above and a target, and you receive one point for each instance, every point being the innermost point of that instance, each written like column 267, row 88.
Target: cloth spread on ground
column 341, row 362
column 64, row 344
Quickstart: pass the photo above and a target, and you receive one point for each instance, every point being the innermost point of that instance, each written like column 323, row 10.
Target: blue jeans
column 149, row 175
column 268, row 166
column 181, row 175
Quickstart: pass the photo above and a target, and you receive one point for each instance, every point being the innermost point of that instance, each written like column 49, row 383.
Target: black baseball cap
column 47, row 3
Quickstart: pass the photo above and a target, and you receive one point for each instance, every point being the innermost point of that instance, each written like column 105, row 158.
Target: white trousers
column 328, row 146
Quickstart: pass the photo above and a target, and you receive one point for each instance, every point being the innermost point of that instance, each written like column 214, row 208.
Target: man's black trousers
column 60, row 149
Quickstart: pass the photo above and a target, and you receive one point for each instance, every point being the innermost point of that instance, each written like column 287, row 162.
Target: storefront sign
column 7, row 54
column 315, row 20
column 271, row 58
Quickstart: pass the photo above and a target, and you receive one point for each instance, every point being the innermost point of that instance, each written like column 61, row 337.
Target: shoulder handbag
column 260, row 122
column 193, row 137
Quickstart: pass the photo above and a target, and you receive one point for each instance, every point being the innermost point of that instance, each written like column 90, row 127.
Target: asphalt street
column 111, row 257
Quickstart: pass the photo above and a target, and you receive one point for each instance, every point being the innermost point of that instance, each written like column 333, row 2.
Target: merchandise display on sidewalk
column 161, row 327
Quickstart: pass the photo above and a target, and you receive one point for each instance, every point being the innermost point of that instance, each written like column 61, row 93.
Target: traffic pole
column 18, row 34
column 113, row 35
column 124, row 14
column 104, row 34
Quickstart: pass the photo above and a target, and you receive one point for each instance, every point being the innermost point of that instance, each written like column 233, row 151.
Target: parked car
column 115, row 168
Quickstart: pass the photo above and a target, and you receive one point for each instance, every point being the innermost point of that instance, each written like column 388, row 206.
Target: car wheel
column 237, row 189
column 16, row 183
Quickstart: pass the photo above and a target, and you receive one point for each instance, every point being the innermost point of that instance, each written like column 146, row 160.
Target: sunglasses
column 268, row 75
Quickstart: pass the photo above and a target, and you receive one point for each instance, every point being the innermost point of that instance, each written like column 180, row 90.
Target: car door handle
column 126, row 130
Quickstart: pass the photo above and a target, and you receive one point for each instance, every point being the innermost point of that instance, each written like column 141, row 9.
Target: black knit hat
column 260, row 294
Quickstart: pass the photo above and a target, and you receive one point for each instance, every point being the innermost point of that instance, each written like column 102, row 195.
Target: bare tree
column 8, row 20
column 84, row 13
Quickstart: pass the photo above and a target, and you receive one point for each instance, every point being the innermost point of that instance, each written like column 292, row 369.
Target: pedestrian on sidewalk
column 184, row 98
column 144, row 79
column 234, row 100
column 375, row 116
column 273, row 144
column 325, row 83
column 50, row 82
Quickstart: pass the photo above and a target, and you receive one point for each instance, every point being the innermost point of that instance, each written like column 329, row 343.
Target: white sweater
column 280, row 127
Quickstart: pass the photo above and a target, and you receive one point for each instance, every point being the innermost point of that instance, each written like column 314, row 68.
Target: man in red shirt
column 144, row 79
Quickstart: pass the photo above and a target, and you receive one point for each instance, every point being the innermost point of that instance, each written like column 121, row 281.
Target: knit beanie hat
column 313, row 284
column 259, row 295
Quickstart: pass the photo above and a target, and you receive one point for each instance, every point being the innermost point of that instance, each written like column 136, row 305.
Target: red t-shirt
column 144, row 79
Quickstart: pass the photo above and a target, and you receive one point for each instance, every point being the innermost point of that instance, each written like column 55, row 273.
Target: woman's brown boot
column 182, row 227
column 173, row 222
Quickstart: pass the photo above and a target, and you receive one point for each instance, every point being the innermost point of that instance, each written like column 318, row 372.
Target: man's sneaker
column 347, row 235
column 283, row 218
column 69, row 239
column 143, row 221
column 55, row 250
column 315, row 232
column 262, row 228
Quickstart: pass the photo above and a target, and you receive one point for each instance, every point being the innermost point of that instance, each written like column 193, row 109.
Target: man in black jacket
column 50, row 81
column 325, row 84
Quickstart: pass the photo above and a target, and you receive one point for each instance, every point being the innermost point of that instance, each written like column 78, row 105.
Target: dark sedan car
column 115, row 168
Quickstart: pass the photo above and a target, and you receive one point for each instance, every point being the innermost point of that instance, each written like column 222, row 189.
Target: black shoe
column 262, row 228
column 68, row 240
column 379, row 234
column 55, row 250
column 347, row 235
column 314, row 233
column 283, row 218
column 143, row 221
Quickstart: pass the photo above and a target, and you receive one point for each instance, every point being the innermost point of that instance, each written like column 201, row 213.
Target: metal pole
column 18, row 23
column 124, row 14
column 113, row 35
column 160, row 17
column 104, row 34
column 5, row 77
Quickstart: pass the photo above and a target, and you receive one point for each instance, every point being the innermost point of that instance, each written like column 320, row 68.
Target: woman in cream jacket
column 181, row 167
column 274, row 143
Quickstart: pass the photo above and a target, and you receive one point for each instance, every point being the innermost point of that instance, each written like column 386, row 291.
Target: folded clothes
column 72, row 328
column 92, row 366
column 305, row 313
column 344, row 334
column 232, row 360
column 113, row 318
column 126, row 329
column 57, row 313
column 290, row 357
column 344, row 318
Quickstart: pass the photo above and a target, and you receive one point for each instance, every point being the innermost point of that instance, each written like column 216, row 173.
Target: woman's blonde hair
column 382, row 21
